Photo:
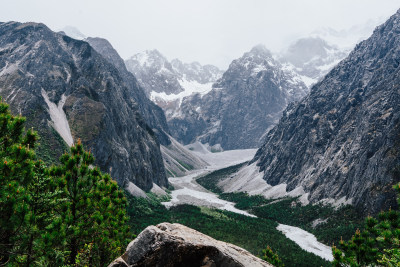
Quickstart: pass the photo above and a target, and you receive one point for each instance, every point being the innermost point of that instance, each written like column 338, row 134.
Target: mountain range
column 232, row 109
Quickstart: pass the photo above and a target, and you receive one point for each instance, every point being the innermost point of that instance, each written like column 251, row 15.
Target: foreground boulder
column 177, row 245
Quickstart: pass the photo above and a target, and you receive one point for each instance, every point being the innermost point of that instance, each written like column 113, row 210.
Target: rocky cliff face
column 67, row 91
column 245, row 103
column 153, row 114
column 341, row 142
column 177, row 245
column 154, row 72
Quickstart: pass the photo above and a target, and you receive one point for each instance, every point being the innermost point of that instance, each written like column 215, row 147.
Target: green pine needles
column 66, row 215
column 269, row 256
column 377, row 245
column 95, row 210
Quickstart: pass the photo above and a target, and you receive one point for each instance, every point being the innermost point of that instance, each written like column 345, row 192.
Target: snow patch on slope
column 306, row 241
column 59, row 118
column 9, row 69
column 249, row 179
column 222, row 159
column 189, row 192
column 190, row 88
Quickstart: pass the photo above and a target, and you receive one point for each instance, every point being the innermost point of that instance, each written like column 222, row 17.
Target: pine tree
column 16, row 172
column 95, row 211
column 44, row 230
column 272, row 257
column 380, row 237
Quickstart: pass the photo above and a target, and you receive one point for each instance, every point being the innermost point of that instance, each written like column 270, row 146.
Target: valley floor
column 188, row 191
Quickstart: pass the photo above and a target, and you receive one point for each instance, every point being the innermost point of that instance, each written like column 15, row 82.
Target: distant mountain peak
column 73, row 32
column 149, row 58
column 260, row 49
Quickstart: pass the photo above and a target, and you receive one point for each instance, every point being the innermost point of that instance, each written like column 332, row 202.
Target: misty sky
column 208, row 31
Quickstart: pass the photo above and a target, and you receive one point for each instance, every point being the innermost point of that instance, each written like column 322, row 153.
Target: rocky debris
column 178, row 160
column 177, row 245
column 242, row 106
column 341, row 142
column 40, row 69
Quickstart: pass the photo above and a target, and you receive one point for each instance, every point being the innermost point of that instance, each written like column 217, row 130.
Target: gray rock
column 154, row 72
column 242, row 106
column 99, row 106
column 342, row 140
column 152, row 114
column 177, row 245
column 196, row 72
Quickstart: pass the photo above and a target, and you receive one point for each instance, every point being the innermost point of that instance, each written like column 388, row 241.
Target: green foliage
column 211, row 180
column 83, row 259
column 43, row 231
column 50, row 147
column 269, row 256
column 249, row 233
column 16, row 172
column 94, row 212
column 390, row 258
column 72, row 211
column 339, row 222
column 377, row 243
column 187, row 166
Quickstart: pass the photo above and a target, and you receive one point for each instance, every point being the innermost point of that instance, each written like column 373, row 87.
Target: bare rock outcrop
column 177, row 245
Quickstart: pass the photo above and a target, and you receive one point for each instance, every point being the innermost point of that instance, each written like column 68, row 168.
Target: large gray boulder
column 177, row 245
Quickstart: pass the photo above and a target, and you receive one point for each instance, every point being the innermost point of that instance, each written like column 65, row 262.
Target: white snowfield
column 59, row 118
column 190, row 88
column 306, row 241
column 187, row 191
